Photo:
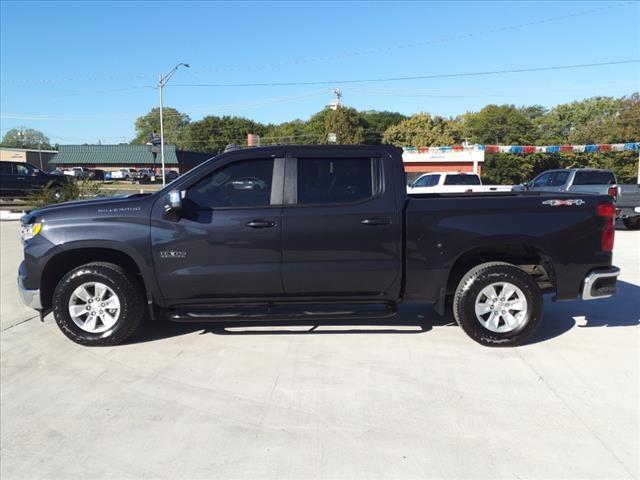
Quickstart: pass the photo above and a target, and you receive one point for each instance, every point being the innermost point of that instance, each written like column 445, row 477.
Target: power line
column 341, row 56
column 414, row 77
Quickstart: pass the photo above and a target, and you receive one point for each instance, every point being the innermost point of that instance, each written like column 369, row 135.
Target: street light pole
column 162, row 81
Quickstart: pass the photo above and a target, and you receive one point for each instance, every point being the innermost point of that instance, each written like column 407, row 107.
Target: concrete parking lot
column 412, row 399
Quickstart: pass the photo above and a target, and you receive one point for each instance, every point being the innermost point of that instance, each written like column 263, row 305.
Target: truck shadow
column 622, row 310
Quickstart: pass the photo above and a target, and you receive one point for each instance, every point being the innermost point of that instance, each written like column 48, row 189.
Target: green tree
column 565, row 123
column 620, row 126
column 422, row 130
column 174, row 124
column 212, row 134
column 498, row 124
column 294, row 132
column 23, row 137
column 347, row 124
column 377, row 122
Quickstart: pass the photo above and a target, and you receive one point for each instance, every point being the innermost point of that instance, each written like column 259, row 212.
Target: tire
column 129, row 297
column 523, row 308
column 632, row 223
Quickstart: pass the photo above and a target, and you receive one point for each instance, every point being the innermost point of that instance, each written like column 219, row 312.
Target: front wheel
column 498, row 304
column 98, row 304
column 632, row 223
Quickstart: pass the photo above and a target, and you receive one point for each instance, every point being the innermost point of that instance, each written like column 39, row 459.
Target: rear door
column 8, row 180
column 341, row 228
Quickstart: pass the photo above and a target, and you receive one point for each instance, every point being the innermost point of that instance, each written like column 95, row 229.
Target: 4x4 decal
column 558, row 203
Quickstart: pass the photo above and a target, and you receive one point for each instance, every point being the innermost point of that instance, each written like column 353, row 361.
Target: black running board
column 274, row 312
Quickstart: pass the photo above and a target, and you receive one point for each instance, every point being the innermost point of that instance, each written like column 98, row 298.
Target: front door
column 341, row 228
column 227, row 243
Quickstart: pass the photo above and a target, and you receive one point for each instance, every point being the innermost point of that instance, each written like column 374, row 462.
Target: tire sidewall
column 61, row 302
column 471, row 289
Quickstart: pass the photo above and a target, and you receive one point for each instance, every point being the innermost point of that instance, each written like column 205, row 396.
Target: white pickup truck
column 453, row 182
column 77, row 172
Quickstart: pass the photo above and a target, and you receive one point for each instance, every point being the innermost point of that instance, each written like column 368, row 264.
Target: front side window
column 25, row 169
column 542, row 180
column 428, row 181
column 240, row 184
column 559, row 179
column 323, row 181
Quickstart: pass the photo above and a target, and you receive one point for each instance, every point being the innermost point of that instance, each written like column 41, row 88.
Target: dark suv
column 19, row 179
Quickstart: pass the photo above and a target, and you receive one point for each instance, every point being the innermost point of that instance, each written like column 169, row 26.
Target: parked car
column 452, row 182
column 97, row 174
column 574, row 180
column 124, row 174
column 18, row 179
column 170, row 175
column 78, row 173
column 628, row 206
column 332, row 235
column 144, row 174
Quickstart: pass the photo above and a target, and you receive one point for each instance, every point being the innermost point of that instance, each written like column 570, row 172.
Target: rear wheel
column 632, row 223
column 498, row 304
column 98, row 304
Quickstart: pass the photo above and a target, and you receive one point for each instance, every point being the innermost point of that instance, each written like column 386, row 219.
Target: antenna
column 336, row 102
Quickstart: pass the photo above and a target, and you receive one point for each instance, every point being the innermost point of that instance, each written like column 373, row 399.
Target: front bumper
column 31, row 298
column 600, row 283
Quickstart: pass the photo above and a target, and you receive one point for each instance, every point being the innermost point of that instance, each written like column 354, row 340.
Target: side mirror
column 173, row 209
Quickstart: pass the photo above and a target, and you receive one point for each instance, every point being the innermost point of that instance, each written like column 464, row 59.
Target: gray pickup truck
column 574, row 180
column 628, row 206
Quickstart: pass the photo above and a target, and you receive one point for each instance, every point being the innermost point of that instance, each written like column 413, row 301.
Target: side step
column 271, row 312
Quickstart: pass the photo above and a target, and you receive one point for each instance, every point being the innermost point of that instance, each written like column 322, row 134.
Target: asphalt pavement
column 414, row 398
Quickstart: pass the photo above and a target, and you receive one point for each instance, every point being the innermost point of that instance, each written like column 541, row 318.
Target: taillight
column 608, row 212
column 613, row 193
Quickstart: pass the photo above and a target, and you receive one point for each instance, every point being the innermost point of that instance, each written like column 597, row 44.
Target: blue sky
column 83, row 71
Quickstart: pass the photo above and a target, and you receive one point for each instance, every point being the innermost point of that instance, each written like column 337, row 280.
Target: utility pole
column 162, row 81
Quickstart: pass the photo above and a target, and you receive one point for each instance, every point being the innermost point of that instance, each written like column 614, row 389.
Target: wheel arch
column 66, row 260
column 528, row 256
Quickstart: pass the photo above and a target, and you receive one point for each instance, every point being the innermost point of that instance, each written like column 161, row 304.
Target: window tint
column 586, row 177
column 428, row 181
column 559, row 178
column 5, row 168
column 241, row 184
column 323, row 181
column 542, row 180
column 25, row 169
column 462, row 179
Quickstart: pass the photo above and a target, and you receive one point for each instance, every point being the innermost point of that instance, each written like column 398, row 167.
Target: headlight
column 30, row 230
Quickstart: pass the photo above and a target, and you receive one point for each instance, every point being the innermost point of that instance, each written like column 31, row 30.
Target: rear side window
column 325, row 181
column 587, row 177
column 5, row 169
column 241, row 184
column 461, row 180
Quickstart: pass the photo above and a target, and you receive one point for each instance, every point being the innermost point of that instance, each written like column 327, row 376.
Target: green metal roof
column 111, row 155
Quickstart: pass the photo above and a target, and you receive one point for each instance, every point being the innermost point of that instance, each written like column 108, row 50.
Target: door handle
column 376, row 221
column 260, row 224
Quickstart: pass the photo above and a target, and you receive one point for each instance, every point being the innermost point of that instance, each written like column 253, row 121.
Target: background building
column 37, row 158
column 438, row 159
column 113, row 157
